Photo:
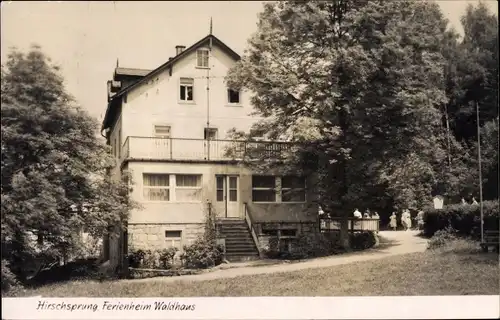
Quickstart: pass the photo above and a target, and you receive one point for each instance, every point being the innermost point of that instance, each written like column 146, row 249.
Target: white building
column 168, row 128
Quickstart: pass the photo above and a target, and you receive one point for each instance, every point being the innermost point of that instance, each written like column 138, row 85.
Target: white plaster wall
column 178, row 212
column 157, row 102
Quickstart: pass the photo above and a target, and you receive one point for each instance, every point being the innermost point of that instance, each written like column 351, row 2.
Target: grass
column 457, row 269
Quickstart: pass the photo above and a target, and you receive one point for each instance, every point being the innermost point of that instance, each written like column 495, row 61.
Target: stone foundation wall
column 302, row 229
column 152, row 236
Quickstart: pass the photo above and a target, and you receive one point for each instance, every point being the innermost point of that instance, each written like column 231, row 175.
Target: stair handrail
column 249, row 222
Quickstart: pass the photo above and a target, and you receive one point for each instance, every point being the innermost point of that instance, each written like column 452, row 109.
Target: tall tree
column 54, row 181
column 472, row 80
column 360, row 84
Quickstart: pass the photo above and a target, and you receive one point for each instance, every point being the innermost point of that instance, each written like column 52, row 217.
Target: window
column 233, row 96
column 288, row 233
column 202, row 56
column 186, row 87
column 188, row 188
column 210, row 134
column 270, row 232
column 263, row 189
column 293, row 189
column 233, row 189
column 173, row 239
column 162, row 131
column 156, row 187
column 114, row 147
column 220, row 188
column 278, row 189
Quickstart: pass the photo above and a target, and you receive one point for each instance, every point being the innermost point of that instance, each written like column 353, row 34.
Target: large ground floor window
column 278, row 188
column 172, row 187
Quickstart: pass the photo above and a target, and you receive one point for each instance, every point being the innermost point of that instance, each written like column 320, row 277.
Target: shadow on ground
column 386, row 243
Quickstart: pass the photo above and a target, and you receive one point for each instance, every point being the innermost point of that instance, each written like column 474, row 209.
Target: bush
column 362, row 240
column 9, row 279
column 202, row 254
column 303, row 247
column 442, row 238
column 135, row 258
column 167, row 257
column 77, row 269
column 464, row 219
column 152, row 259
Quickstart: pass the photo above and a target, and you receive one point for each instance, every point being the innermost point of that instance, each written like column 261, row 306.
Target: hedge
column 464, row 219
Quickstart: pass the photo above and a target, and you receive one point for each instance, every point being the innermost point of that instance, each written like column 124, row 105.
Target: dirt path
column 391, row 243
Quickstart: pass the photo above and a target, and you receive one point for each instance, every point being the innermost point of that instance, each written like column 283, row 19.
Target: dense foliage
column 202, row 254
column 316, row 245
column 378, row 96
column 464, row 219
column 152, row 259
column 55, row 181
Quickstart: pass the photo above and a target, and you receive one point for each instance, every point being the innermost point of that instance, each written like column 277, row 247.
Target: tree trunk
column 343, row 190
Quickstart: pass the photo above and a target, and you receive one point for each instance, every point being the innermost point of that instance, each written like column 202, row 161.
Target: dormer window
column 202, row 58
column 233, row 96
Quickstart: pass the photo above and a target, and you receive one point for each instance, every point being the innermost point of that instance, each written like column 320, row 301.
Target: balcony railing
column 152, row 148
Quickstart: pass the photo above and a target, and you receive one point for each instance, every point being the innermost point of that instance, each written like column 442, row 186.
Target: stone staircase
column 239, row 242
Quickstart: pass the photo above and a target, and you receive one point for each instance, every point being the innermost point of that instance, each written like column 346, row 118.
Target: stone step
column 242, row 254
column 242, row 258
column 235, row 236
column 240, row 245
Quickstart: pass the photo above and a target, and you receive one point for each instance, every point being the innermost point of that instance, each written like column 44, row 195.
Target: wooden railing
column 248, row 220
column 354, row 224
column 200, row 149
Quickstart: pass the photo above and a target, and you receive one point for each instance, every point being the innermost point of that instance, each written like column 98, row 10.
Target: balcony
column 151, row 148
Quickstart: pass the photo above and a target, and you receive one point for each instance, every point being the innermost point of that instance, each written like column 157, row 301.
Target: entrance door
column 228, row 196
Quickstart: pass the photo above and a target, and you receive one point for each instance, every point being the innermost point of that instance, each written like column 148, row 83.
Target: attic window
column 202, row 58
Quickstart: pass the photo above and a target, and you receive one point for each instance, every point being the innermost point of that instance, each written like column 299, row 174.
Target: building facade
column 169, row 129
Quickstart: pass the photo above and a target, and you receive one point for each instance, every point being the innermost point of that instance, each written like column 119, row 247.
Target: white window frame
column 159, row 135
column 229, row 100
column 186, row 82
column 236, row 189
column 303, row 189
column 275, row 188
column 197, row 188
column 172, row 240
column 204, row 59
column 145, row 187
column 206, row 132
column 279, row 191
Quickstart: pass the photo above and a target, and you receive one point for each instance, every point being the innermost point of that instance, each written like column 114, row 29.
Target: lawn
column 444, row 272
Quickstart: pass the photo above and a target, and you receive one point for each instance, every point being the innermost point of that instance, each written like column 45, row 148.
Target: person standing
column 406, row 219
column 420, row 220
column 367, row 214
column 394, row 221
column 357, row 214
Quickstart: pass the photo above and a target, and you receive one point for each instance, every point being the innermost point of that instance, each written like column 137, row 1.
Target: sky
column 86, row 38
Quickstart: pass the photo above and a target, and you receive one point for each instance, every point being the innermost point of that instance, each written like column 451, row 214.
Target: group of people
column 474, row 201
column 406, row 220
column 366, row 215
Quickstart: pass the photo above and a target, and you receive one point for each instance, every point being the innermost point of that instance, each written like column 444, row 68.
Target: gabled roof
column 148, row 76
column 131, row 72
